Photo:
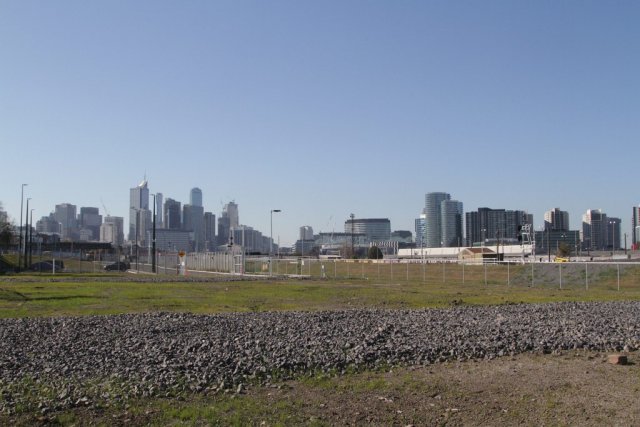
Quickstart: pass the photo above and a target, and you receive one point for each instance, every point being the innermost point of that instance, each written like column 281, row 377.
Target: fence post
column 424, row 277
column 586, row 275
column 407, row 271
column 463, row 263
column 618, row 265
column 362, row 265
column 532, row 262
column 443, row 272
column 560, row 270
column 508, row 274
column 485, row 271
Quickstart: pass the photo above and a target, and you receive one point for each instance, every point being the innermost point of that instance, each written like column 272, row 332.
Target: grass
column 87, row 294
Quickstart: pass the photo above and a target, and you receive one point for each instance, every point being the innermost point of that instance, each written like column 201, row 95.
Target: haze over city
column 322, row 109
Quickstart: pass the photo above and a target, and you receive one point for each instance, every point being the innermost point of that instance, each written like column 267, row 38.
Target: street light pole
column 271, row 240
column 153, row 238
column 26, row 219
column 30, row 237
column 20, row 229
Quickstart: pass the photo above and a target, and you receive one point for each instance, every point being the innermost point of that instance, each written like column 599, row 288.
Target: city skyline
column 322, row 109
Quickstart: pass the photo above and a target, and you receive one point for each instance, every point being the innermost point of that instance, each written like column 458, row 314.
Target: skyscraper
column 172, row 212
column 209, row 230
column 195, row 197
column 420, row 229
column 489, row 224
column 159, row 215
column 433, row 218
column 65, row 214
column 594, row 230
column 90, row 219
column 193, row 220
column 635, row 227
column 556, row 220
column 230, row 210
column 443, row 220
column 139, row 213
column 451, row 223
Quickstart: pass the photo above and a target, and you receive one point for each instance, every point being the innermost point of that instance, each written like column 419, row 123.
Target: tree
column 6, row 232
column 375, row 253
column 564, row 250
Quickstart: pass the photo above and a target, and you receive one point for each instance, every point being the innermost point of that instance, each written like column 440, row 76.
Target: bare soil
column 570, row 388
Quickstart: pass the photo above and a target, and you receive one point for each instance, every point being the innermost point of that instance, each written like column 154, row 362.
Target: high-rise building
column 112, row 230
column 172, row 212
column 159, row 215
column 594, row 230
column 420, row 229
column 230, row 210
column 492, row 224
column 635, row 227
column 375, row 229
column 139, row 214
column 91, row 220
column 433, row 218
column 556, row 220
column 613, row 233
column 65, row 214
column 193, row 220
column 451, row 223
column 195, row 197
column 306, row 232
column 209, row 230
column 224, row 228
column 443, row 220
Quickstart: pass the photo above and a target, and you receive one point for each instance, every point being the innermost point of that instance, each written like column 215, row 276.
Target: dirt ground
column 570, row 388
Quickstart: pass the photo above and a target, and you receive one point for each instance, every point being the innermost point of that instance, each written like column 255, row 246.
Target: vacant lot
column 567, row 387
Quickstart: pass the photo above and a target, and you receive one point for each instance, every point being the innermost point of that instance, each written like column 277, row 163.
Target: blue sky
column 322, row 108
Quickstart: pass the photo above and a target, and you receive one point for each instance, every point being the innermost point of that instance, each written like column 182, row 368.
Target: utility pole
column 352, row 216
column 153, row 238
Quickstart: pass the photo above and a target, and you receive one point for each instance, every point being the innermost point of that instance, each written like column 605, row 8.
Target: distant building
column 306, row 232
column 91, row 220
column 112, row 230
column 613, row 227
column 375, row 229
column 594, row 230
column 140, row 220
column 193, row 220
column 210, row 231
column 230, row 210
column 48, row 225
column 420, row 229
column 195, row 197
column 635, row 227
column 433, row 218
column 549, row 241
column 171, row 240
column 402, row 236
column 65, row 215
column 556, row 219
column 159, row 215
column 443, row 220
column 491, row 224
column 172, row 215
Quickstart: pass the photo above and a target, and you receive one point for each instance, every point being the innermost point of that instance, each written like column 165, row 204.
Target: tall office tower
column 159, row 215
column 193, row 220
column 420, row 229
column 195, row 197
column 433, row 218
column 112, row 230
column 90, row 219
column 306, row 232
column 594, row 230
column 556, row 220
column 493, row 224
column 172, row 214
column 613, row 233
column 209, row 231
column 635, row 227
column 65, row 214
column 451, row 220
column 139, row 213
column 224, row 228
column 230, row 210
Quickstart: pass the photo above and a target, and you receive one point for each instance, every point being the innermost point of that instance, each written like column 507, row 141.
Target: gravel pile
column 53, row 363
